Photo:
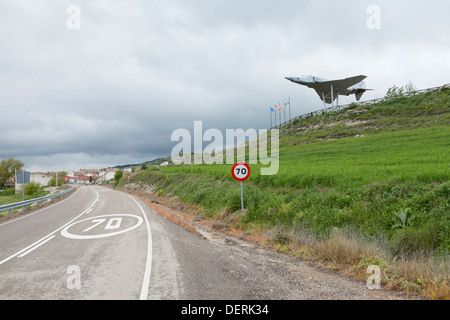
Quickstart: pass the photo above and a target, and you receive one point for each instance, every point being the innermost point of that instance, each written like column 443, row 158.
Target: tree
column 397, row 92
column 8, row 168
column 410, row 87
column 144, row 167
column 394, row 92
column 52, row 181
column 118, row 175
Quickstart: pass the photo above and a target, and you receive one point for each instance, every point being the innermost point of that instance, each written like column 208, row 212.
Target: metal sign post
column 241, row 172
column 242, row 196
column 22, row 179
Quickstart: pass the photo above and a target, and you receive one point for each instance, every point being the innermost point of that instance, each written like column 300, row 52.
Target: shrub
column 32, row 188
column 412, row 240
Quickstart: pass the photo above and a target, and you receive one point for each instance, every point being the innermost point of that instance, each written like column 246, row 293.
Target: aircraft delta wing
column 329, row 90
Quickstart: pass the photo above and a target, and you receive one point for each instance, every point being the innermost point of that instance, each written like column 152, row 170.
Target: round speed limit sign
column 66, row 179
column 128, row 177
column 241, row 171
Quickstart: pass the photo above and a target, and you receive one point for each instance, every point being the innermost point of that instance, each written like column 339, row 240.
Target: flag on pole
column 279, row 108
column 272, row 109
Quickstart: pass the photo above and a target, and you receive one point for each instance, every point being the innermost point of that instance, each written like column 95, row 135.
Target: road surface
column 104, row 244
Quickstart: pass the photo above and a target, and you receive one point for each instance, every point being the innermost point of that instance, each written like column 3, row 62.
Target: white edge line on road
column 44, row 238
column 148, row 264
column 36, row 246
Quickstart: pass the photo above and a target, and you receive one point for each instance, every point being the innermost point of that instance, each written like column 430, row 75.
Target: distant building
column 39, row 177
column 106, row 175
column 42, row 178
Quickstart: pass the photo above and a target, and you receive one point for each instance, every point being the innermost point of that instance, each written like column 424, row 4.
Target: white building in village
column 40, row 177
column 106, row 176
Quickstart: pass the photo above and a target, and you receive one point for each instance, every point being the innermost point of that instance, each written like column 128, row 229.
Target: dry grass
column 420, row 275
column 424, row 275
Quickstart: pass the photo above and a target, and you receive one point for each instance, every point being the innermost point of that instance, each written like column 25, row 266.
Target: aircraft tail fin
column 359, row 93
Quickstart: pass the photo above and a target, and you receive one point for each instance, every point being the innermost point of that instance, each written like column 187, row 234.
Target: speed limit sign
column 241, row 171
column 66, row 179
column 128, row 177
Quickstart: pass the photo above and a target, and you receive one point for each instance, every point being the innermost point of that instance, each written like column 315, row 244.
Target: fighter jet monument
column 329, row 90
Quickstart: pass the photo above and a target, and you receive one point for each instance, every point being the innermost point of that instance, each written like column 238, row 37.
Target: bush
column 412, row 240
column 117, row 176
column 32, row 188
column 52, row 182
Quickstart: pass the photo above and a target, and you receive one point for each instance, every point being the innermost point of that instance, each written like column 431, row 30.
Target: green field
column 359, row 183
column 381, row 172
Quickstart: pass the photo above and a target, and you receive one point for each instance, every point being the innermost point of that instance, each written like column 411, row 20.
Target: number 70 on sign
column 241, row 171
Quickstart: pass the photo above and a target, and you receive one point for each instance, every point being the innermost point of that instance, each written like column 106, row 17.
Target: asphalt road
column 104, row 244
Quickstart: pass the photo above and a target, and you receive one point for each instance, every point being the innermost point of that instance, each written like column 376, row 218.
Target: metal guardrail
column 24, row 204
column 339, row 108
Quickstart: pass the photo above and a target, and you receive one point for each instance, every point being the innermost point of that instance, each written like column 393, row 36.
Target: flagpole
column 275, row 120
column 270, row 110
column 289, row 108
column 279, row 105
column 279, row 117
column 276, row 111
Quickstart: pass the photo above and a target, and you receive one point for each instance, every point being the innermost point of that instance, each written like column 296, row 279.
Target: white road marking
column 117, row 222
column 99, row 220
column 148, row 264
column 50, row 234
column 36, row 246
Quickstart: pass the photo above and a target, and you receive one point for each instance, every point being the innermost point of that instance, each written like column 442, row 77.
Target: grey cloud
column 137, row 70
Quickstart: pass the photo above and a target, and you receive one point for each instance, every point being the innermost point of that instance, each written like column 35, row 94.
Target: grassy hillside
column 424, row 110
column 377, row 174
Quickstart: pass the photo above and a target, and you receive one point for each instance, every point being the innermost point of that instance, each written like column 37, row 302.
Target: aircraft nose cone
column 288, row 78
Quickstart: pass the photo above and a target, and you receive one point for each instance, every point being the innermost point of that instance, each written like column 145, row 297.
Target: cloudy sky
column 113, row 91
